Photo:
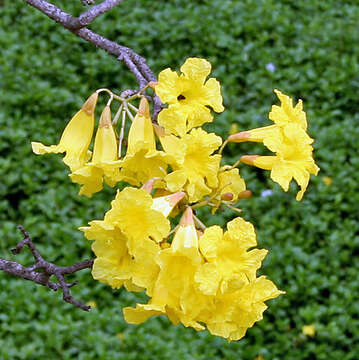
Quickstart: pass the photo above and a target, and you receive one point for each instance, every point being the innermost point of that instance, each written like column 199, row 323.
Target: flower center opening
column 181, row 97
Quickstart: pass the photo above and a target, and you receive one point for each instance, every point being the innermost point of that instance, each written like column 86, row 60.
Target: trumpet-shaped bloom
column 131, row 206
column 115, row 265
column 76, row 138
column 293, row 160
column 194, row 167
column 230, row 264
column 174, row 292
column 102, row 166
column 142, row 161
column 235, row 312
column 126, row 252
column 286, row 113
column 188, row 96
column 280, row 115
column 188, row 291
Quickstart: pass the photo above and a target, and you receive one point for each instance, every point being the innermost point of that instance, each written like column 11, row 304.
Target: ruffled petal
column 213, row 95
column 168, row 87
column 196, row 69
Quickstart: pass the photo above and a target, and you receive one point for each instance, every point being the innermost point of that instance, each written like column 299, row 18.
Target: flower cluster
column 288, row 139
column 202, row 277
column 209, row 280
column 75, row 142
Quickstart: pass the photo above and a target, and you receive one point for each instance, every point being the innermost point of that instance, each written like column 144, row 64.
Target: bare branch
column 88, row 16
column 136, row 63
column 48, row 269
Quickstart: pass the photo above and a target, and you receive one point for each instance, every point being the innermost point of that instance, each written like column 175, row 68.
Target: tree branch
column 136, row 63
column 88, row 16
column 48, row 269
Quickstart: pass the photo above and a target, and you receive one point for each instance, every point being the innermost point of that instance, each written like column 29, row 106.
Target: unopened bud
column 227, row 196
column 90, row 103
column 148, row 186
column 105, row 119
column 248, row 159
column 246, row 194
column 144, row 109
column 239, row 137
column 187, row 217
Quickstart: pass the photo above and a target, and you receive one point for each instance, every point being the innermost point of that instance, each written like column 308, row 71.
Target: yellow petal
column 129, row 206
column 142, row 166
column 254, row 135
column 176, row 180
column 91, row 179
column 174, row 119
column 196, row 69
column 265, row 162
column 142, row 312
column 242, row 232
column 167, row 87
column 208, row 242
column 141, row 135
column 185, row 241
column 207, row 278
column 197, row 116
column 214, row 98
column 99, row 230
column 76, row 137
column 286, row 113
column 105, row 146
column 165, row 204
column 174, row 147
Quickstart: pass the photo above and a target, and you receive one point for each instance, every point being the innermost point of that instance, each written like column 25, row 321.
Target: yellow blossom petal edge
column 142, row 161
column 133, row 205
column 293, row 160
column 103, row 164
column 286, row 113
column 195, row 169
column 76, row 138
column 188, row 96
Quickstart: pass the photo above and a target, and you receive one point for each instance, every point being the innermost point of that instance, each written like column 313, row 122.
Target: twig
column 136, row 63
column 90, row 15
column 48, row 269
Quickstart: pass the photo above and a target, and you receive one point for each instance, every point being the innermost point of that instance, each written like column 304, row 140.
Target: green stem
column 222, row 147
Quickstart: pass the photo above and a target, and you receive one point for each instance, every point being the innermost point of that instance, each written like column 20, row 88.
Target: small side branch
column 136, row 63
column 47, row 269
column 90, row 15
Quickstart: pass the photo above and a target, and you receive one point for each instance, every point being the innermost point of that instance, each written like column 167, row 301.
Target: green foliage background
column 47, row 72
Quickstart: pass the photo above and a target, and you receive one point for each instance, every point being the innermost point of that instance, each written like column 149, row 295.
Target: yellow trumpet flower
column 142, row 161
column 293, row 159
column 103, row 165
column 188, row 96
column 76, row 138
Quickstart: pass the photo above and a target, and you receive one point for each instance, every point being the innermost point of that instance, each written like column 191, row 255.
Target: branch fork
column 78, row 25
column 48, row 269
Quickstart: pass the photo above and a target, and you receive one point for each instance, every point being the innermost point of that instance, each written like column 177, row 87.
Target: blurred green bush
column 307, row 49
